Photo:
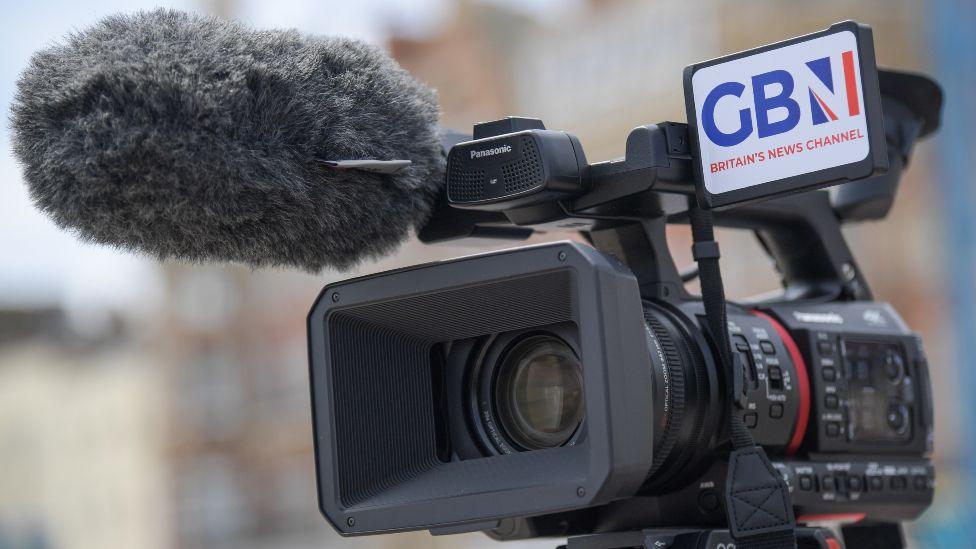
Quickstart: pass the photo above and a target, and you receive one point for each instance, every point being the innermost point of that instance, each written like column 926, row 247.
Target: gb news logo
column 781, row 113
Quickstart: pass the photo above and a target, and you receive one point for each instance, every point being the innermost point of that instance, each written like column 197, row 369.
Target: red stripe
column 853, row 104
column 824, row 106
column 802, row 384
column 836, row 517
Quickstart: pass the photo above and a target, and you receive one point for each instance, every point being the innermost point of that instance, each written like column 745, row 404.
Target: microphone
column 199, row 139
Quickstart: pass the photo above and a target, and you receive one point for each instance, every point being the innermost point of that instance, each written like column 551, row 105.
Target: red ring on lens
column 802, row 383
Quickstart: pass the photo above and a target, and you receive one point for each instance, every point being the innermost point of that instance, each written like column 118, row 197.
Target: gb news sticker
column 781, row 113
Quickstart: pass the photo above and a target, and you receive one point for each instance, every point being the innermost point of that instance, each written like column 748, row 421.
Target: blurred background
column 147, row 405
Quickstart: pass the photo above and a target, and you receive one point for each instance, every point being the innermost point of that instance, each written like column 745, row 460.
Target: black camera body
column 572, row 388
column 842, row 408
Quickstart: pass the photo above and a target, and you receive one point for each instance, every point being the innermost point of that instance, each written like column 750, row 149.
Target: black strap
column 757, row 499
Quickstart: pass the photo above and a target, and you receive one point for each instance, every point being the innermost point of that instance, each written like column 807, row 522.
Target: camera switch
column 827, row 483
column 775, row 378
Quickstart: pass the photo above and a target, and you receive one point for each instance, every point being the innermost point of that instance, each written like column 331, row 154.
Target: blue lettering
column 783, row 100
column 708, row 116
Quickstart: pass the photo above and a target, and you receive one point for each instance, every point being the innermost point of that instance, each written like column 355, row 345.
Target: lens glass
column 539, row 393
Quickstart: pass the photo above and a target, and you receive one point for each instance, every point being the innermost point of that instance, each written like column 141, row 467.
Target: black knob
column 894, row 366
column 897, row 417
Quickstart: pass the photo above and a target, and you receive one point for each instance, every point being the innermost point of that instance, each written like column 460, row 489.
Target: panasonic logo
column 819, row 318
column 491, row 152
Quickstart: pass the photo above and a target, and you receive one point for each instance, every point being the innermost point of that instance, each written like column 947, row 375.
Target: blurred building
column 81, row 455
column 198, row 432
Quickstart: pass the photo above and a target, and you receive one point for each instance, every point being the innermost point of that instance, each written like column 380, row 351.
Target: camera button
column 894, row 366
column 832, row 429
column 876, row 483
column 899, row 483
column 751, row 419
column 767, row 347
column 829, row 374
column 708, row 501
column 897, row 417
column 827, row 483
column 741, row 344
column 921, row 483
column 854, row 483
column 776, row 411
column 825, row 347
column 806, row 483
column 831, row 402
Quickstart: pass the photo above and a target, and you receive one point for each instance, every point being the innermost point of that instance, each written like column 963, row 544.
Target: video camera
column 571, row 389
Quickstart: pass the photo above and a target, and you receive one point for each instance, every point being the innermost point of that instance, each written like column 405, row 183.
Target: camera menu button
column 876, row 483
column 827, row 483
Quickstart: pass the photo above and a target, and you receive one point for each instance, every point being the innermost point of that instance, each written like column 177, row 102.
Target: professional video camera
column 570, row 389
column 561, row 389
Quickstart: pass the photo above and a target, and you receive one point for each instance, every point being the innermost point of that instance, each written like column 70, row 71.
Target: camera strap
column 757, row 499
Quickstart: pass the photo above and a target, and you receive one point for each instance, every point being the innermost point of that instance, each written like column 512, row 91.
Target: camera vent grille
column 465, row 185
column 526, row 172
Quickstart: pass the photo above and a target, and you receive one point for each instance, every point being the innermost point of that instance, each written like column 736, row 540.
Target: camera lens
column 539, row 393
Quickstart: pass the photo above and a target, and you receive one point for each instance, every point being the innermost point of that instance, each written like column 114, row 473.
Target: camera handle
column 802, row 234
column 629, row 200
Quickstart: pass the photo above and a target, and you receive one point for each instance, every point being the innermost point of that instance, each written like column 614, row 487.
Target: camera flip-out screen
column 788, row 117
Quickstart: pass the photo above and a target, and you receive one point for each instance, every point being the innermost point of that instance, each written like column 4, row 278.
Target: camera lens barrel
column 683, row 402
column 527, row 394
